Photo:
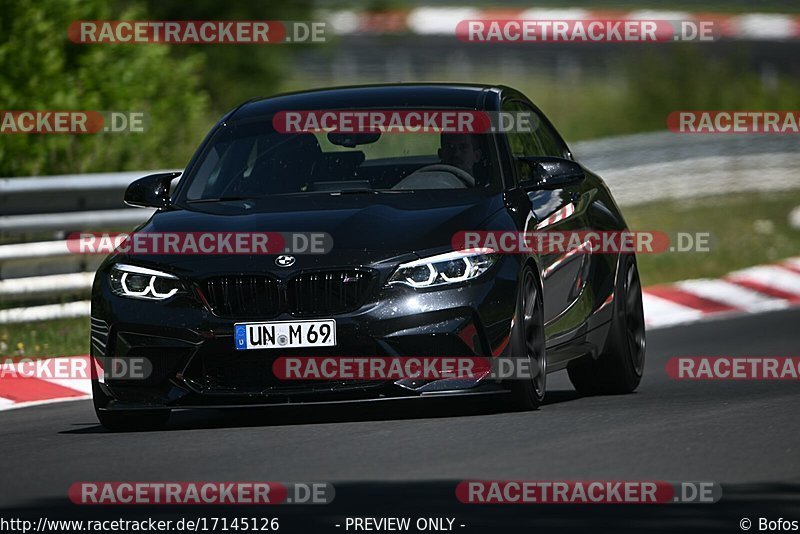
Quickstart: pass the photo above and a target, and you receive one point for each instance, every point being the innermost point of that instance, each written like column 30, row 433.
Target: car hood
column 365, row 229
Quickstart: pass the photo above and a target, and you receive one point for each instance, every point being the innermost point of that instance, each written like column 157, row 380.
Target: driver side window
column 541, row 140
column 522, row 143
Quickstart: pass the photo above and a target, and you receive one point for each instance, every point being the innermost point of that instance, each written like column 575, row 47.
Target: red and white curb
column 752, row 290
column 21, row 391
column 443, row 20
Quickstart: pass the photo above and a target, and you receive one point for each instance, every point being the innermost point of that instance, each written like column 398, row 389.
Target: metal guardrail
column 73, row 221
column 661, row 166
column 46, row 312
column 65, row 193
column 637, row 168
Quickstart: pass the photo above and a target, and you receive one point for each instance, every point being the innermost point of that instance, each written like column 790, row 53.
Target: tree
column 40, row 69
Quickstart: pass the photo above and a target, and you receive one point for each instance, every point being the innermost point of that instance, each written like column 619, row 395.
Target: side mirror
column 151, row 191
column 548, row 172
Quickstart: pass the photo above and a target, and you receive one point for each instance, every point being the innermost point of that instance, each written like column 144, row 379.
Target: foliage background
column 184, row 89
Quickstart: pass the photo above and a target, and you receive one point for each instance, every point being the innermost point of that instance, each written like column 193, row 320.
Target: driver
column 459, row 156
column 459, row 150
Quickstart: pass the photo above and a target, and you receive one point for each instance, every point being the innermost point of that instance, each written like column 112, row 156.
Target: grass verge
column 63, row 337
column 746, row 229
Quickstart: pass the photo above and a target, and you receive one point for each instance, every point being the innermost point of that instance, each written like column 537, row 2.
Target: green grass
column 746, row 229
column 64, row 337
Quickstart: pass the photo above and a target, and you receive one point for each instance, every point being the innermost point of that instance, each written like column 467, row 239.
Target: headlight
column 449, row 268
column 142, row 283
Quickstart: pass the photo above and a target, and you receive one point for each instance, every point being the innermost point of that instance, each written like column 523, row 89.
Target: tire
column 619, row 368
column 527, row 338
column 126, row 420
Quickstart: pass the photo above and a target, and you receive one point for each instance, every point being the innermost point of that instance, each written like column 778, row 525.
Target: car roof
column 423, row 95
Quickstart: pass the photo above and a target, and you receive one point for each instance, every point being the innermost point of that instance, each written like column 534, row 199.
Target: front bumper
column 192, row 361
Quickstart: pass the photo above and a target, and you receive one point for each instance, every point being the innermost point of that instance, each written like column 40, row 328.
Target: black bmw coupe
column 392, row 283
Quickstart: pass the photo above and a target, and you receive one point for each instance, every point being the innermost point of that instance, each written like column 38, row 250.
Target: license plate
column 285, row 334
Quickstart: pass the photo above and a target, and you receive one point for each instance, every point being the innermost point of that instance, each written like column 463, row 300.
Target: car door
column 560, row 209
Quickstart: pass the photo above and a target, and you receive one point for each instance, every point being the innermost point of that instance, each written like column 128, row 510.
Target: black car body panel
column 188, row 339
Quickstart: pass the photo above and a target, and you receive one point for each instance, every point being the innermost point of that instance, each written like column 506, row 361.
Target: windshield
column 254, row 160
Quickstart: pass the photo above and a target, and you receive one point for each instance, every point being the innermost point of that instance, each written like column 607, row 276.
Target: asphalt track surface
column 404, row 458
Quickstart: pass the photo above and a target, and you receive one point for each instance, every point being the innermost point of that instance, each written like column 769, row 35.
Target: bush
column 43, row 70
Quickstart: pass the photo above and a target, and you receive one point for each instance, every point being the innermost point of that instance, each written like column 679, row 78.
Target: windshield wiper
column 220, row 199
column 368, row 191
column 343, row 192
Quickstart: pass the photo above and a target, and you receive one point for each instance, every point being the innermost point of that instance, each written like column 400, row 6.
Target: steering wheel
column 461, row 174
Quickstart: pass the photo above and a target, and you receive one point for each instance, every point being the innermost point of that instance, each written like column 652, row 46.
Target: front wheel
column 527, row 341
column 619, row 368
